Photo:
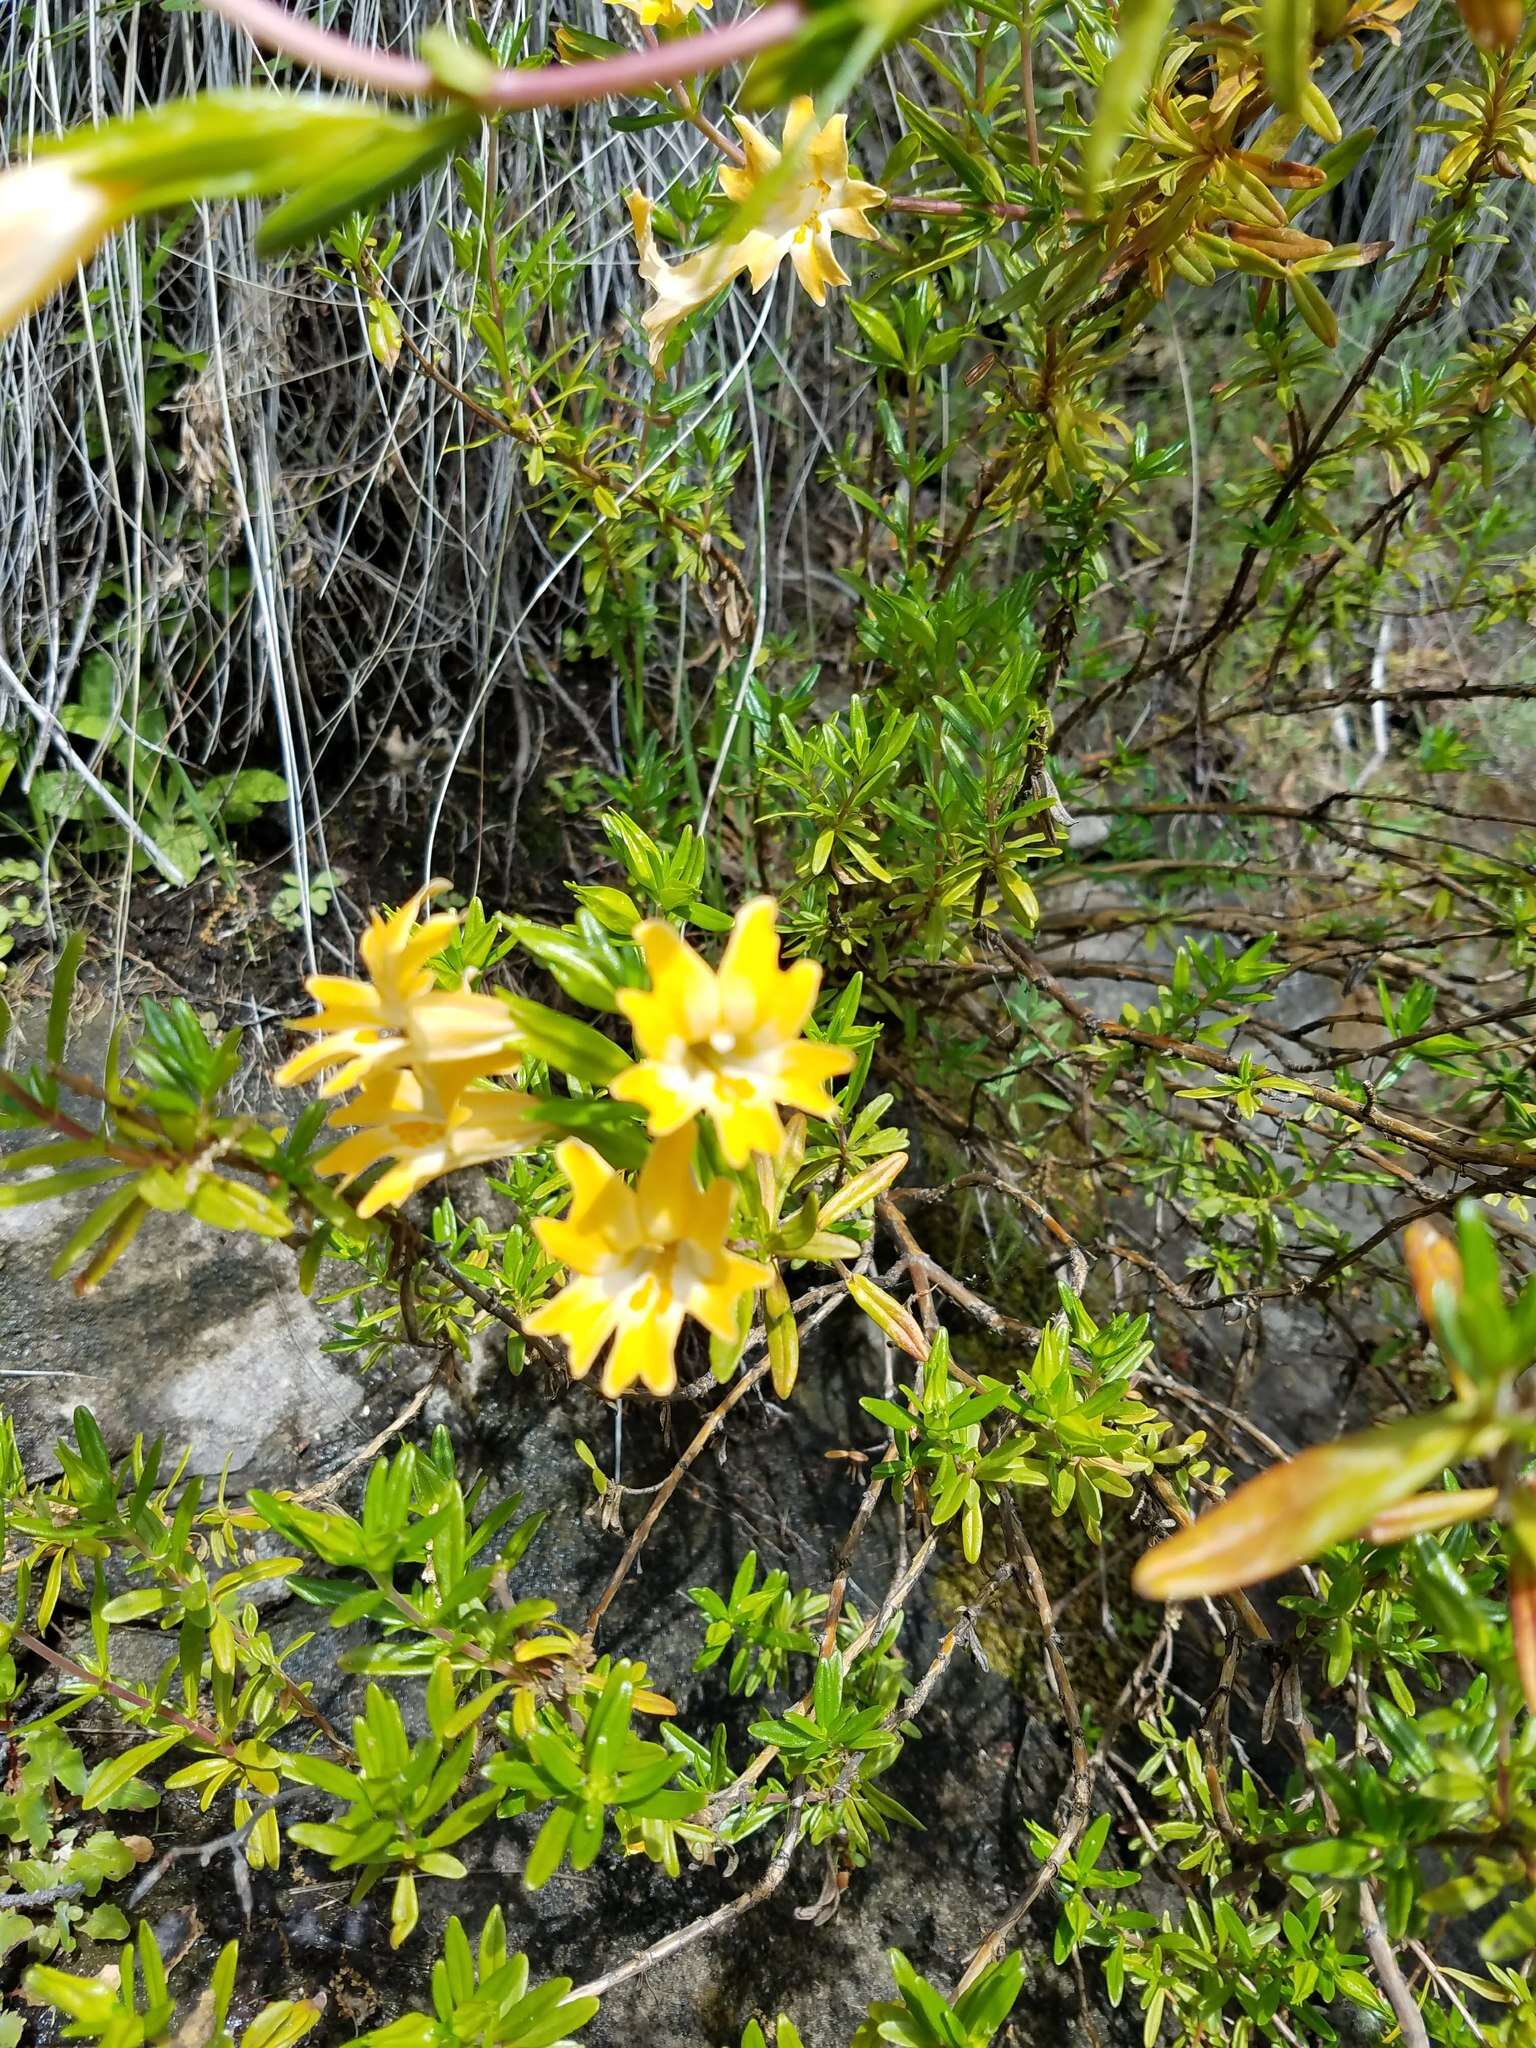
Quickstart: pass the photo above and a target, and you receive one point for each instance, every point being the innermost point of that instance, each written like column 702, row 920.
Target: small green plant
column 762, row 1625
column 484, row 1998
column 133, row 2007
column 922, row 2017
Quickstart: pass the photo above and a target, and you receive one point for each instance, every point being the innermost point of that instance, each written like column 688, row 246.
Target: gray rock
column 198, row 1337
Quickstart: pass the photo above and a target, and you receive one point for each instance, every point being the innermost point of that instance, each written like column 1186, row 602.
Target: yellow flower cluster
column 422, row 1059
column 817, row 198
column 640, row 1260
column 725, row 1044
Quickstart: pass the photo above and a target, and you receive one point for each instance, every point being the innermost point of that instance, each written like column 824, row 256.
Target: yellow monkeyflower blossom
column 662, row 13
column 726, row 1044
column 51, row 219
column 641, row 1259
column 819, row 199
column 399, row 1017
column 427, row 1129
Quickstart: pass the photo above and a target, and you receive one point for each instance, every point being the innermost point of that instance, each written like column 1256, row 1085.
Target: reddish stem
column 564, row 85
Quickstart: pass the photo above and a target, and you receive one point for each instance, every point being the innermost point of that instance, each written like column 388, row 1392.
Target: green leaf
column 47, row 1187
column 130, row 1606
column 246, row 144
column 544, row 1859
column 113, row 1775
column 394, row 156
column 1512, row 1936
column 1286, row 35
column 233, row 1205
column 1313, row 307
column 565, row 1042
column 1330, row 1858
column 1129, row 73
column 1298, row 1508
column 64, row 977
column 578, row 968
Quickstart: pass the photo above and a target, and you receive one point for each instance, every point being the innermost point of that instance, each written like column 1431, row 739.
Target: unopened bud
column 1433, row 1263
column 898, row 1323
column 1493, row 24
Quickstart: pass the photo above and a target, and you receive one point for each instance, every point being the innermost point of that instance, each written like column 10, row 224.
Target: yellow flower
column 662, row 13
column 726, row 1044
column 819, row 199
column 641, row 1258
column 399, row 1017
column 427, row 1130
column 51, row 219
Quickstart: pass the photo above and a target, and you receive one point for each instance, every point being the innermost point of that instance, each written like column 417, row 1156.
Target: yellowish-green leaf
column 863, row 1188
column 889, row 1315
column 1313, row 307
column 113, row 1775
column 1141, row 27
column 1316, row 110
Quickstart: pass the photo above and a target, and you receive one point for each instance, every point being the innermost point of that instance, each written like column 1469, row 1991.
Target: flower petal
column 682, row 1001
column 762, row 155
column 643, row 1351
column 582, row 1316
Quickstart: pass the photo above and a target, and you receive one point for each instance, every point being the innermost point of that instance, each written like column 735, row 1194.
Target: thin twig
column 565, row 85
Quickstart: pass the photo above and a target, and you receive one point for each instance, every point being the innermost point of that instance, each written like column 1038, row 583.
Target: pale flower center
column 645, row 1281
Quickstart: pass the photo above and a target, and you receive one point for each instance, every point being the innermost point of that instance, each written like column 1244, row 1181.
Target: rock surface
column 200, row 1336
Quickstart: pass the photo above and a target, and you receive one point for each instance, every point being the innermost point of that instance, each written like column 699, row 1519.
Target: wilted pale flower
column 399, row 1017
column 818, row 200
column 726, row 1044
column 51, row 219
column 662, row 13
column 641, row 1258
column 427, row 1130
column 680, row 288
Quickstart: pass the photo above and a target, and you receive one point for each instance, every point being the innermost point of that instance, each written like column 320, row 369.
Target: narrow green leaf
column 64, row 978
column 1141, row 28
column 396, row 155
column 1286, row 35
column 113, row 1775
column 1313, row 307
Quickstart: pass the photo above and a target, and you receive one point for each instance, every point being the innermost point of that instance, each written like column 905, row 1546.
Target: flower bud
column 897, row 1322
column 52, row 218
column 1433, row 1263
column 1493, row 24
